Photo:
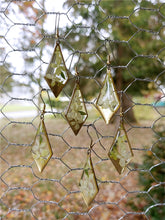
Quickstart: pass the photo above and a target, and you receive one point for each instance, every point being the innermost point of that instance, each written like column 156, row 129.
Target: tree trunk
column 127, row 107
column 126, row 99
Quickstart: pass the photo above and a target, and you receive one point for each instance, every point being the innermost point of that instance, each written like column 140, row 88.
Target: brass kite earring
column 76, row 113
column 57, row 73
column 120, row 152
column 41, row 148
column 108, row 101
column 88, row 183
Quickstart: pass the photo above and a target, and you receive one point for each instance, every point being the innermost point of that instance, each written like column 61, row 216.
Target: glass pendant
column 88, row 184
column 41, row 149
column 76, row 114
column 57, row 73
column 120, row 152
column 108, row 102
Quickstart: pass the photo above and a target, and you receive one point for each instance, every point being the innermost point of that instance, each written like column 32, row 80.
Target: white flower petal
column 122, row 162
column 73, row 123
column 77, row 126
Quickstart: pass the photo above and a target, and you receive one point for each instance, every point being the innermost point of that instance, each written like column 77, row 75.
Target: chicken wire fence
column 26, row 41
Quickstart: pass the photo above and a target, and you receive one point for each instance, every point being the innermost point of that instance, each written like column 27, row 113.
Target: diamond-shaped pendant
column 57, row 73
column 76, row 114
column 41, row 149
column 88, row 184
column 120, row 152
column 108, row 102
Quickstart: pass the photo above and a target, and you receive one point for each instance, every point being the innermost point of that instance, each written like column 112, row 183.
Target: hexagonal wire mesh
column 27, row 37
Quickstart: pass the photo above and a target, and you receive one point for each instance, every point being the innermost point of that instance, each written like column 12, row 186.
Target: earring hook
column 44, row 105
column 76, row 70
column 91, row 144
column 57, row 22
column 121, row 107
column 108, row 61
column 77, row 75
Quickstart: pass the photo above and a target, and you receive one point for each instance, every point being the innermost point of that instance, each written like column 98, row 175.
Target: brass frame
column 116, row 162
column 56, row 90
column 74, row 90
column 48, row 142
column 89, row 155
column 96, row 105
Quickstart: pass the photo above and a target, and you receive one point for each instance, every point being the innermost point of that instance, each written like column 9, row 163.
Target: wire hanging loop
column 90, row 148
column 91, row 144
column 108, row 61
column 57, row 22
column 44, row 105
column 77, row 75
column 121, row 107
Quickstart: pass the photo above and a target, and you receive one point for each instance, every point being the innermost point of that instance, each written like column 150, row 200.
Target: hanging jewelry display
column 76, row 113
column 41, row 148
column 88, row 183
column 108, row 102
column 57, row 73
column 120, row 152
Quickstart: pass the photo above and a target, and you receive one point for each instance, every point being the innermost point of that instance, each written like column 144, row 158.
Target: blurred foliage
column 132, row 32
column 124, row 31
column 154, row 184
column 56, row 103
column 132, row 35
column 6, row 80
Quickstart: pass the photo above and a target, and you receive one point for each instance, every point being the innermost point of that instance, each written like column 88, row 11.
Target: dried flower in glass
column 108, row 102
column 76, row 113
column 57, row 73
column 120, row 152
column 88, row 184
column 41, row 148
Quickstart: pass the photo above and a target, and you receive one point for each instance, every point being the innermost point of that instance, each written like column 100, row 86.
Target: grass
column 143, row 109
column 16, row 108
